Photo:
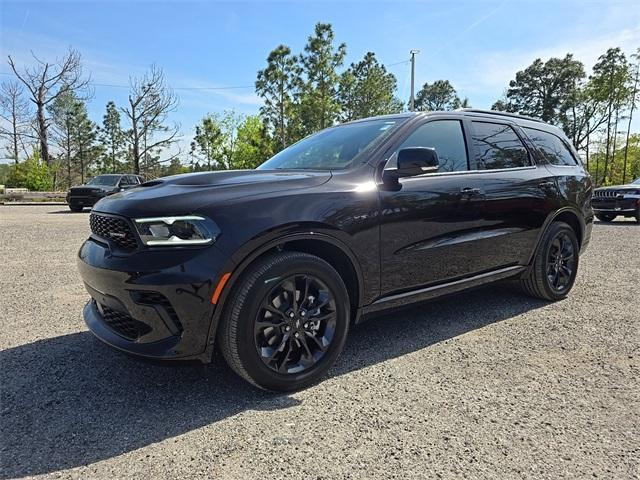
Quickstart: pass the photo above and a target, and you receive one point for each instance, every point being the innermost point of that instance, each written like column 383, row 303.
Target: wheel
column 287, row 321
column 605, row 217
column 75, row 208
column 638, row 215
column 554, row 267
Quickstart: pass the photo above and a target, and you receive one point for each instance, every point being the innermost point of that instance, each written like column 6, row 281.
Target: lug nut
column 306, row 325
column 297, row 335
column 291, row 314
column 303, row 313
column 287, row 328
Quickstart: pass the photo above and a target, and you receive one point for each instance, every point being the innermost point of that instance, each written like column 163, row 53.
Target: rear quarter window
column 497, row 146
column 554, row 149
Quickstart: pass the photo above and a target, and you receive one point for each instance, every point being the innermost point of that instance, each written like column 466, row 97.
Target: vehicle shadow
column 70, row 401
column 68, row 212
column 626, row 222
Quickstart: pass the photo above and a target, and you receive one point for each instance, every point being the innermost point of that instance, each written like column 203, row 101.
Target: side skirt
column 428, row 293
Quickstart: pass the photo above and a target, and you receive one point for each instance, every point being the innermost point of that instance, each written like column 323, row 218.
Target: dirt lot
column 488, row 384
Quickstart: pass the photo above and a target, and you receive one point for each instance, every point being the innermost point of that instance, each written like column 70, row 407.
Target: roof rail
column 504, row 114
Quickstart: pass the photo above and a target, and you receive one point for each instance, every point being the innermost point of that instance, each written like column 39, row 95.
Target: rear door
column 518, row 195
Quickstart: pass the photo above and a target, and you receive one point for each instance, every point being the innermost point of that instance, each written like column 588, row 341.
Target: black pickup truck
column 100, row 186
column 618, row 200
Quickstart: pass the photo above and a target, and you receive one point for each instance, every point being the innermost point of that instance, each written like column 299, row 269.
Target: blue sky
column 477, row 45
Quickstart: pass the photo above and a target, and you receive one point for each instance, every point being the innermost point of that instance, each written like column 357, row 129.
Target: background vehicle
column 618, row 200
column 274, row 264
column 98, row 187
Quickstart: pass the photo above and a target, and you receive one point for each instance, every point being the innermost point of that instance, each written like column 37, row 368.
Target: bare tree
column 46, row 81
column 150, row 102
column 14, row 113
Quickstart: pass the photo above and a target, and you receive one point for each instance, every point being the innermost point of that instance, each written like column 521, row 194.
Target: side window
column 447, row 138
column 498, row 146
column 553, row 147
column 132, row 180
column 124, row 181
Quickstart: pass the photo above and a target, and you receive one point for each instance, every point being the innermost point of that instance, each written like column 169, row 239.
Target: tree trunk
column 42, row 134
column 615, row 141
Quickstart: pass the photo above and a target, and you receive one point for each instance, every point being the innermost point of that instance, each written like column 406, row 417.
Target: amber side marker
column 219, row 287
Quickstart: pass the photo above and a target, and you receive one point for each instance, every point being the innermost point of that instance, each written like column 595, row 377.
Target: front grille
column 606, row 193
column 157, row 299
column 84, row 192
column 123, row 324
column 115, row 229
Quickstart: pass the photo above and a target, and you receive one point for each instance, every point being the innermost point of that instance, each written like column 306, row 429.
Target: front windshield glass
column 333, row 148
column 108, row 180
column 636, row 181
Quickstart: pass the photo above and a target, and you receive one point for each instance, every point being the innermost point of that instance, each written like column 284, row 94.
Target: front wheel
column 287, row 321
column 555, row 265
column 75, row 208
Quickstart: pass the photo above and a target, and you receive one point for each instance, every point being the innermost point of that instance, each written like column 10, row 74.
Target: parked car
column 273, row 265
column 617, row 201
column 98, row 187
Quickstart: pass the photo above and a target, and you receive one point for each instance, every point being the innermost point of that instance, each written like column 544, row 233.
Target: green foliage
column 253, row 145
column 616, row 173
column 277, row 85
column 32, row 174
column 319, row 106
column 366, row 89
column 206, row 146
column 544, row 89
column 437, row 96
column 112, row 138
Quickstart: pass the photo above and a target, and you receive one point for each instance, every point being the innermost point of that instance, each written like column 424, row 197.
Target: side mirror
column 414, row 161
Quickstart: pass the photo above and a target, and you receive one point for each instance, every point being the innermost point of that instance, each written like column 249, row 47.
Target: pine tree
column 112, row 137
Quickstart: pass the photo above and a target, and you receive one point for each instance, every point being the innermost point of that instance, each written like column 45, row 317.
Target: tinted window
column 554, row 149
column 108, row 180
column 132, row 180
column 498, row 146
column 447, row 138
column 333, row 147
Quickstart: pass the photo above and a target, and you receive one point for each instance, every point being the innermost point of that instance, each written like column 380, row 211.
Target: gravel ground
column 487, row 384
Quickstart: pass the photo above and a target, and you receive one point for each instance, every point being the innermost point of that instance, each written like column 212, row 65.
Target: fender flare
column 550, row 219
column 238, row 268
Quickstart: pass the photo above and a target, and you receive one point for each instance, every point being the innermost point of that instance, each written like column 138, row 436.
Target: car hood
column 188, row 193
column 104, row 188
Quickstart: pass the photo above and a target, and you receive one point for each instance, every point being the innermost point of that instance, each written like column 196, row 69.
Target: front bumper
column 623, row 205
column 152, row 303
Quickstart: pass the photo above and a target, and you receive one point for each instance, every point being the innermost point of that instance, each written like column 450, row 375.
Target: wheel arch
column 568, row 215
column 314, row 239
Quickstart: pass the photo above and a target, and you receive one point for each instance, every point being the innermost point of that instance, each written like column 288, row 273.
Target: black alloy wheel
column 553, row 270
column 296, row 324
column 605, row 217
column 561, row 261
column 285, row 321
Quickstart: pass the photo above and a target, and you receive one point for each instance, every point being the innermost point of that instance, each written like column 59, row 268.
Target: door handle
column 470, row 191
column 548, row 184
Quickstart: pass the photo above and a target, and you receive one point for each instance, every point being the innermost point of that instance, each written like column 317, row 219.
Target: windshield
column 109, row 180
column 636, row 182
column 333, row 148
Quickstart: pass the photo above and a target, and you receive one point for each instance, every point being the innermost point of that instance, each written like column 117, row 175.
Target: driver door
column 429, row 221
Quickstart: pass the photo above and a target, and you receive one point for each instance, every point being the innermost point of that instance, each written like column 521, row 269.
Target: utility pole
column 413, row 74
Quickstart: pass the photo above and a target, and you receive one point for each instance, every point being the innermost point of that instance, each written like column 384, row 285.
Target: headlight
column 176, row 231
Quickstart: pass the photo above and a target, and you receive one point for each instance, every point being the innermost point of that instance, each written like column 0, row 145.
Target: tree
column 319, row 106
column 277, row 84
column 149, row 104
column 85, row 134
column 610, row 81
column 207, row 142
column 440, row 95
column 14, row 113
column 112, row 136
column 253, row 145
column 543, row 89
column 32, row 174
column 366, row 89
column 45, row 82
column 633, row 100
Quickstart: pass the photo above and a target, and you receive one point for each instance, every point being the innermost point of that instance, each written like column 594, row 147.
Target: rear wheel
column 287, row 321
column 75, row 208
column 605, row 217
column 554, row 268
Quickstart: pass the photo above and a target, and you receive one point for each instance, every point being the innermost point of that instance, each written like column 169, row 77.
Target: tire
column 638, row 215
column 75, row 208
column 538, row 280
column 242, row 336
column 605, row 217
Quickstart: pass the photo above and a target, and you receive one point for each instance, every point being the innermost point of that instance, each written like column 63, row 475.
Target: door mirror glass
column 417, row 161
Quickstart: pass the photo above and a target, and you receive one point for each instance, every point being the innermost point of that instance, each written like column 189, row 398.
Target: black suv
column 619, row 200
column 274, row 264
column 98, row 187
